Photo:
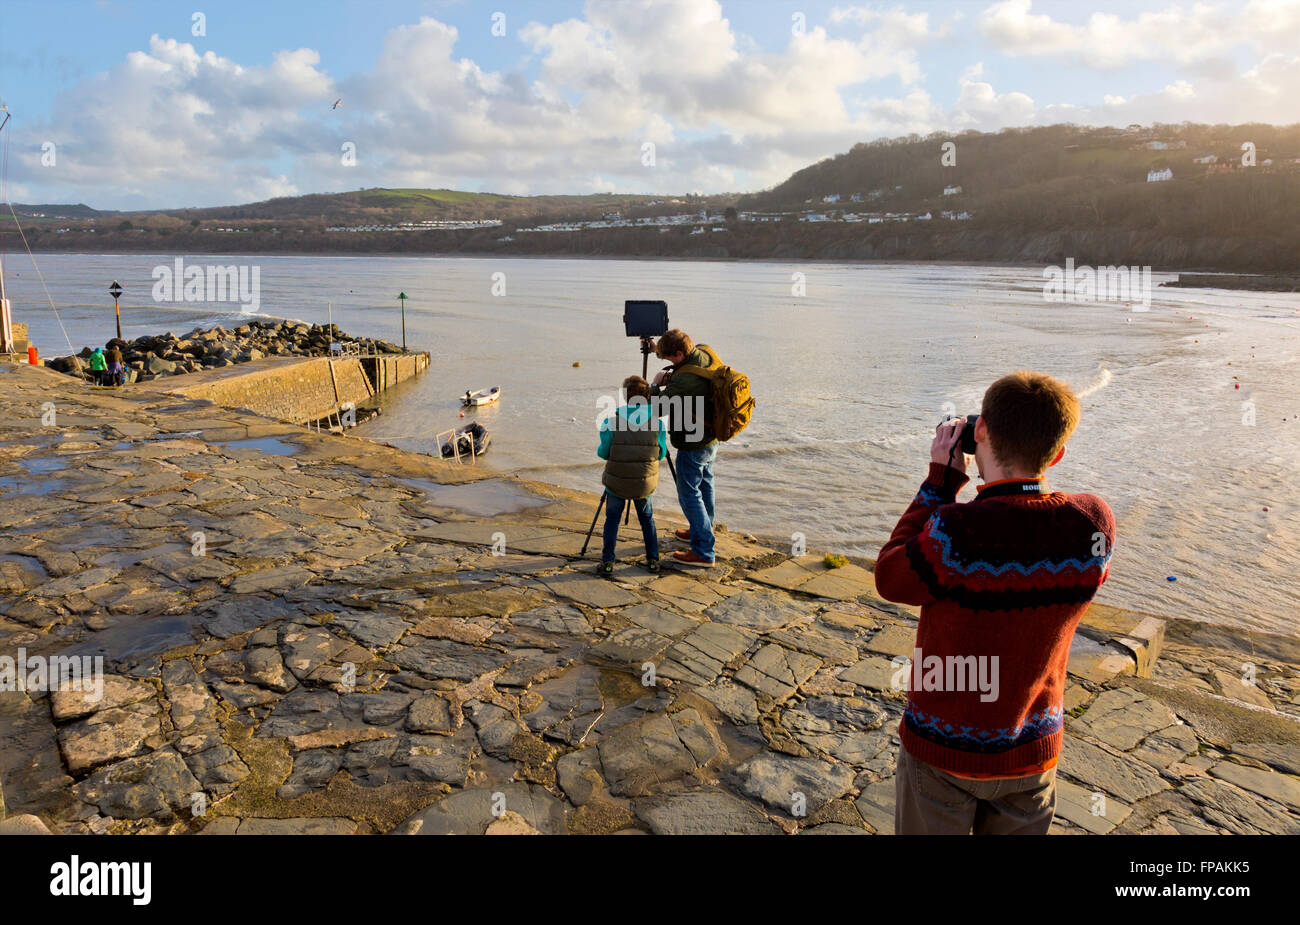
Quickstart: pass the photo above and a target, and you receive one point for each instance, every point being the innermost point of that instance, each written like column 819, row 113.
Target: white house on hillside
column 951, row 190
column 1156, row 176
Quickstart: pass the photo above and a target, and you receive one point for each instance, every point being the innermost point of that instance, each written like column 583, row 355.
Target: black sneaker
column 652, row 565
column 605, row 570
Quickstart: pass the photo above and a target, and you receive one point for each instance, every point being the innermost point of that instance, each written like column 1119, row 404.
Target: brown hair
column 1029, row 417
column 636, row 387
column 674, row 342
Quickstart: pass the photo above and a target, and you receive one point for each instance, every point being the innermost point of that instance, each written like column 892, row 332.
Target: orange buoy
column 32, row 357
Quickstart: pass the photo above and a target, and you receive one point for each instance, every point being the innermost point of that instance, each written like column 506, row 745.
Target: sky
column 146, row 104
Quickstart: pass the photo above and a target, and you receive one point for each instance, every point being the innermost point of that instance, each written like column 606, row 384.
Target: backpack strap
column 706, row 372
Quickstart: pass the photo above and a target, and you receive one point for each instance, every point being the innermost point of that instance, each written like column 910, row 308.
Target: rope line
column 4, row 185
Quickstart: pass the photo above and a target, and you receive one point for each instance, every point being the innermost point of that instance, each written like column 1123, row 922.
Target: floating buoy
column 462, row 414
column 1266, row 507
column 576, row 364
column 33, row 358
column 1171, row 578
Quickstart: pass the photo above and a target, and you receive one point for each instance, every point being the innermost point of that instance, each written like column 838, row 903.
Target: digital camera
column 967, row 432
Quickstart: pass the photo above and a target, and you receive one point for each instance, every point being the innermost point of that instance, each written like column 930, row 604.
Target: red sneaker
column 683, row 535
column 688, row 557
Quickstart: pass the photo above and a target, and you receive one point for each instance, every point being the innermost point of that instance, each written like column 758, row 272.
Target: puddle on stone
column 135, row 637
column 42, row 465
column 29, row 564
column 272, row 446
column 485, row 498
column 24, row 485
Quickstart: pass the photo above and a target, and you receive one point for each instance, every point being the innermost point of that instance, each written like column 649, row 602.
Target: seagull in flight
column 336, row 103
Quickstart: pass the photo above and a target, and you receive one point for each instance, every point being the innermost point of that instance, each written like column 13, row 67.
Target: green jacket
column 690, row 431
column 97, row 362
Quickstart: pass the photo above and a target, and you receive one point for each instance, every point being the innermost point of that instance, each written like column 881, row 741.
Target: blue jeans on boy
column 614, row 513
column 695, row 494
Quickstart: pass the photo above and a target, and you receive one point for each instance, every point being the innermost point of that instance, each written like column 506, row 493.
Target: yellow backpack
column 732, row 404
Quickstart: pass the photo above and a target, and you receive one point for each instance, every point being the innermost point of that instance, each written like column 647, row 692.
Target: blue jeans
column 614, row 513
column 695, row 494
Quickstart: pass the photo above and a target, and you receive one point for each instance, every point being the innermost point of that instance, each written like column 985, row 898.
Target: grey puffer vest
column 632, row 470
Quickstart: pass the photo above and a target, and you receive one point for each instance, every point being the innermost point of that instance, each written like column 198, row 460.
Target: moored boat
column 481, row 397
column 472, row 441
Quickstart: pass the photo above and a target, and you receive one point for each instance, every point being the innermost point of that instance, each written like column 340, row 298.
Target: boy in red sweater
column 1002, row 582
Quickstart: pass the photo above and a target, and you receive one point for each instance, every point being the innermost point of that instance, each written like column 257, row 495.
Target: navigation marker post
column 116, row 292
column 401, row 297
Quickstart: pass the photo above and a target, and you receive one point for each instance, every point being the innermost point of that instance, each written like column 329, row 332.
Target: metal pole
column 401, row 297
column 118, row 312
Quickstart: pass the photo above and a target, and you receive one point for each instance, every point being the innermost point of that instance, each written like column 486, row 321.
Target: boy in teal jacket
column 632, row 441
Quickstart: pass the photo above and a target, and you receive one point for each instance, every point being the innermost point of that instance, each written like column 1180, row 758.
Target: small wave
column 1099, row 382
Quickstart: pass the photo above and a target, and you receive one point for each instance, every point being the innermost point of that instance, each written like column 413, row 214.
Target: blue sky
column 121, row 105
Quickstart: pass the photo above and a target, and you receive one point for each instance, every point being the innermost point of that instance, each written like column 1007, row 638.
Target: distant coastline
column 1282, row 279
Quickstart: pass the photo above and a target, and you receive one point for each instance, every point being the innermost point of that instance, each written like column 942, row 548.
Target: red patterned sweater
column 1004, row 579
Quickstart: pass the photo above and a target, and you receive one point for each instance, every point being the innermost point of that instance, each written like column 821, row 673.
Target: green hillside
column 1066, row 176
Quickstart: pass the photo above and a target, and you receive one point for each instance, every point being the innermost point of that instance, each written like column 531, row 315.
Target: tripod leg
column 592, row 529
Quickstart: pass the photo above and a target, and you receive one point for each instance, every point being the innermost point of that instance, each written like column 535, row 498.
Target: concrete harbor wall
column 302, row 390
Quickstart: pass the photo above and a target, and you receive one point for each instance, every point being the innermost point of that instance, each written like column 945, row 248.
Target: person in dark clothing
column 115, row 373
column 632, row 441
column 687, row 397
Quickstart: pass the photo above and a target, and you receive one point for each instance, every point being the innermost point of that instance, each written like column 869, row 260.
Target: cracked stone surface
column 350, row 654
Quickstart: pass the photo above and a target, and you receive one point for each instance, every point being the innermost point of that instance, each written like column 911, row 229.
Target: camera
column 644, row 318
column 967, row 432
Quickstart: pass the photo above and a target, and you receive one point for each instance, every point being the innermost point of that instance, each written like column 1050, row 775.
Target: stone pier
column 301, row 390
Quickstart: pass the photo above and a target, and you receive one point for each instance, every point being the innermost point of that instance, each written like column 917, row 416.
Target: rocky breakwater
column 157, row 355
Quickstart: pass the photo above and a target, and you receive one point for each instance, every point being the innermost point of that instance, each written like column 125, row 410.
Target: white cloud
column 170, row 121
column 1182, row 35
column 173, row 126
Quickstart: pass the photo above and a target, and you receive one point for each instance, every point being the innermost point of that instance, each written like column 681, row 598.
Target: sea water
column 1191, row 408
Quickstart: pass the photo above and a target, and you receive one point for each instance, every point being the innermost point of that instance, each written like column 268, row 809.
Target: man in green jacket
column 687, row 397
column 632, row 442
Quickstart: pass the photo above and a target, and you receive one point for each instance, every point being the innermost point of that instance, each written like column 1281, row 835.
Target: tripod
column 627, row 512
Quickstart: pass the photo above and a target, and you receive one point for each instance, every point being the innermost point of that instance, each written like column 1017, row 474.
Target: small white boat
column 481, row 397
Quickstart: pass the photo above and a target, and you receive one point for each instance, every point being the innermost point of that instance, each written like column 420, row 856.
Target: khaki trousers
column 934, row 802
